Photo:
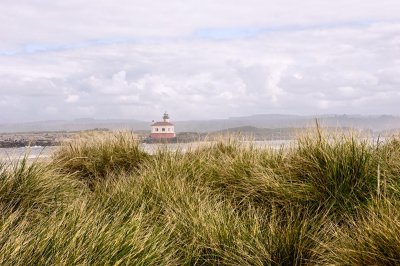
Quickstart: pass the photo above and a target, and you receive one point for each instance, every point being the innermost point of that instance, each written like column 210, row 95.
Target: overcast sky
column 197, row 59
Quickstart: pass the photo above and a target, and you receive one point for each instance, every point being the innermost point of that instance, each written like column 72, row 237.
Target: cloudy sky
column 197, row 59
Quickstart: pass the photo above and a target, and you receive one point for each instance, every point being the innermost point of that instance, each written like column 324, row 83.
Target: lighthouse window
column 156, row 128
column 163, row 129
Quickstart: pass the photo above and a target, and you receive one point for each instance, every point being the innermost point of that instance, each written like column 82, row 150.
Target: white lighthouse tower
column 163, row 130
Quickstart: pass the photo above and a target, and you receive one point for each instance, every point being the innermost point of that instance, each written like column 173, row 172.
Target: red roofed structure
column 163, row 130
column 162, row 124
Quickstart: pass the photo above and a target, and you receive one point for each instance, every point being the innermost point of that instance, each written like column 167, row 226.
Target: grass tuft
column 98, row 156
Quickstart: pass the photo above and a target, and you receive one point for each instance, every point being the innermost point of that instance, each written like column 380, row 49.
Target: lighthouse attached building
column 163, row 130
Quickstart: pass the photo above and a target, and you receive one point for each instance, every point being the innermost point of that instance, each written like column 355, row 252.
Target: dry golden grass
column 101, row 200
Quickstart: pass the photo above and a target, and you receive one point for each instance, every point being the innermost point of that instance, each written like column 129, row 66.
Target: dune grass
column 329, row 199
column 93, row 156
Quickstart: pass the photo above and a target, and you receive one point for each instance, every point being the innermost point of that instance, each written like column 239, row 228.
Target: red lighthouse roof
column 162, row 123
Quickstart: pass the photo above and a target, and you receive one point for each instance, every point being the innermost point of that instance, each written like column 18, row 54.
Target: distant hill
column 375, row 123
column 271, row 121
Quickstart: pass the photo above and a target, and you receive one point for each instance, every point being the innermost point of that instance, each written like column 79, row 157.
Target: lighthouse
column 163, row 130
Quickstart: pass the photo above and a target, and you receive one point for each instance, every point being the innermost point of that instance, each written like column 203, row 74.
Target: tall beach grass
column 101, row 200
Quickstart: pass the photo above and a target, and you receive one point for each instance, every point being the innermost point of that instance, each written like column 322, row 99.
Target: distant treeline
column 14, row 143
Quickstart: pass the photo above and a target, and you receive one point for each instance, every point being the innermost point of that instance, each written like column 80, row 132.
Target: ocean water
column 31, row 153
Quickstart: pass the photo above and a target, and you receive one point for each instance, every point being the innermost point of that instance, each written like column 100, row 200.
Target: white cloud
column 74, row 21
column 133, row 59
column 72, row 98
column 347, row 91
column 127, row 99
